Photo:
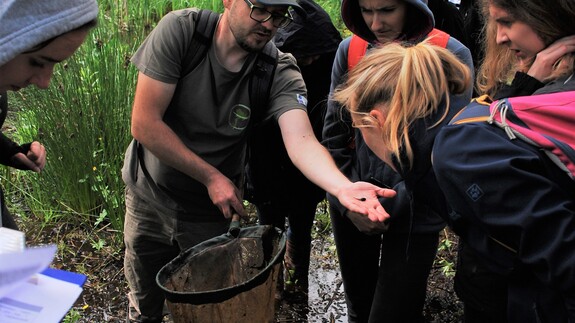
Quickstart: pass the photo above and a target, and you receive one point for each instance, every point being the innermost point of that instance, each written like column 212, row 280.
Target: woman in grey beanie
column 34, row 37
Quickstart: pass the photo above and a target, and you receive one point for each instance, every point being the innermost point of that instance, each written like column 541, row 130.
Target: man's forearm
column 169, row 148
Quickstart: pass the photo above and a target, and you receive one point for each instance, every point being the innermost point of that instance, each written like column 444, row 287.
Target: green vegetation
column 445, row 252
column 83, row 119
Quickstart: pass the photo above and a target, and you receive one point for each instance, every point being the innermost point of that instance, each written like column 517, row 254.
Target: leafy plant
column 73, row 316
column 445, row 252
column 322, row 221
column 98, row 244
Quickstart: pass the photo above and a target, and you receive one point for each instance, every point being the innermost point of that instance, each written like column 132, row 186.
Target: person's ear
column 378, row 115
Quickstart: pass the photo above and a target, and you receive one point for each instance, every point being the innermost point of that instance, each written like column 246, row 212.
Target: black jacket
column 271, row 176
column 9, row 148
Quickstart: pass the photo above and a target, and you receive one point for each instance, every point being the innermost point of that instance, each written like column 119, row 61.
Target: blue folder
column 68, row 276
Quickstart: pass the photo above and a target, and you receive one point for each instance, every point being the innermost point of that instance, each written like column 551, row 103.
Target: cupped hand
column 365, row 225
column 34, row 159
column 362, row 198
column 542, row 67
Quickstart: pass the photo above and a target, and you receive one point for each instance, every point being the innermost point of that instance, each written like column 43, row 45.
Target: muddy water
column 326, row 296
column 325, row 301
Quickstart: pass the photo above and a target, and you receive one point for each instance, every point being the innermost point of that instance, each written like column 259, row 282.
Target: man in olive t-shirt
column 193, row 132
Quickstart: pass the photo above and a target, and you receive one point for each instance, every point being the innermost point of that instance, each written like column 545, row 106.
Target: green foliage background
column 83, row 119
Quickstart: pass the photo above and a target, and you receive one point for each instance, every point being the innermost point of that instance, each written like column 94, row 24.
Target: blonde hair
column 411, row 81
column 549, row 19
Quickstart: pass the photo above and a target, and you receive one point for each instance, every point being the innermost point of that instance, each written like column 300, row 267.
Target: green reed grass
column 83, row 119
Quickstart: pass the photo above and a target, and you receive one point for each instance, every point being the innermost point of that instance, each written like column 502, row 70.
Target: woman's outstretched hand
column 362, row 197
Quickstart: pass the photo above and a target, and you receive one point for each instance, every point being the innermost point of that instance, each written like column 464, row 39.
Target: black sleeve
column 522, row 85
column 8, row 148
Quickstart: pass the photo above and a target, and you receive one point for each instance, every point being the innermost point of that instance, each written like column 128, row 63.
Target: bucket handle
column 234, row 229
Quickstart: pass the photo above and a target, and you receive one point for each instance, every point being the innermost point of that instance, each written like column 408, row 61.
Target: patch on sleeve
column 474, row 192
column 301, row 99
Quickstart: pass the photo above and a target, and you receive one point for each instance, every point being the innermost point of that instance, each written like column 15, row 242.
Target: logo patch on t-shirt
column 302, row 100
column 240, row 117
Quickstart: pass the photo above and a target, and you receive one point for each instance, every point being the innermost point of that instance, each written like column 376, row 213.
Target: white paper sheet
column 45, row 301
column 17, row 267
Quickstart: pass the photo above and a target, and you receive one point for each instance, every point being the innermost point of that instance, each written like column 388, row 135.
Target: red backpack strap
column 438, row 37
column 358, row 46
column 356, row 50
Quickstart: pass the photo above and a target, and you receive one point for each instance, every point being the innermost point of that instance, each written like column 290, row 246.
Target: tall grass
column 84, row 118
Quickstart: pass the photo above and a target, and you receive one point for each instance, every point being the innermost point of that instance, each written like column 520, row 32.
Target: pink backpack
column 546, row 121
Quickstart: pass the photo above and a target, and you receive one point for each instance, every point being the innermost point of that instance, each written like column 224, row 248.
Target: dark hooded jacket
column 514, row 208
column 271, row 175
column 8, row 149
column 414, row 208
column 310, row 34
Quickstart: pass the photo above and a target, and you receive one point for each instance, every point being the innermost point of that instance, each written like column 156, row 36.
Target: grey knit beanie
column 28, row 23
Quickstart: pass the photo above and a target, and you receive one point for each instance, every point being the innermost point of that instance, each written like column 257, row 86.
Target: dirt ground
column 326, row 301
column 104, row 300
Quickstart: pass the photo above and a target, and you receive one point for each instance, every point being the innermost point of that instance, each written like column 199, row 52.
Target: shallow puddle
column 325, row 301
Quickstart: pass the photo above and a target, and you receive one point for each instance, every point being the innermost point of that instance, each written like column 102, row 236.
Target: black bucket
column 229, row 278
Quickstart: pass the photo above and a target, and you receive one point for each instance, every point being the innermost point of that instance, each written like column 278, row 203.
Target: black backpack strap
column 262, row 79
column 205, row 26
column 259, row 90
column 263, row 71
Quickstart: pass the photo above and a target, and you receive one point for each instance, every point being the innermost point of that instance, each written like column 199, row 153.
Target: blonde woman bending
column 399, row 96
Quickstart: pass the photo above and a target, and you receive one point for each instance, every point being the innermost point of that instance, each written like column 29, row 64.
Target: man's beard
column 249, row 47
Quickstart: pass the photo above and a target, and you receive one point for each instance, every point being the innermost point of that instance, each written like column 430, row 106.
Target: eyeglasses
column 260, row 14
